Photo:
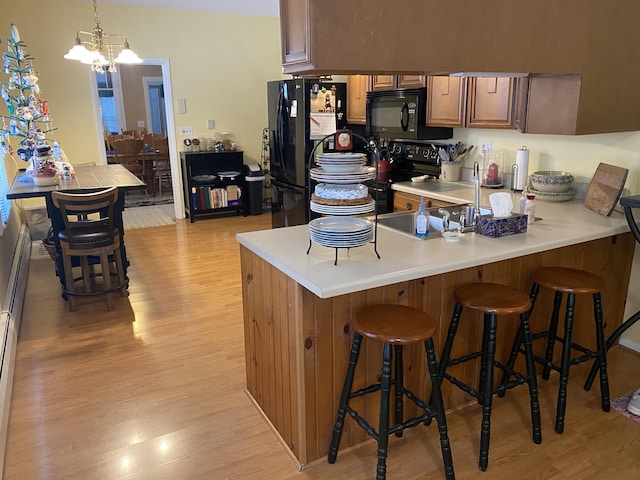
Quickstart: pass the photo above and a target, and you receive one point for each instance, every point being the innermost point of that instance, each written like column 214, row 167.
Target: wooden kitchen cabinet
column 446, row 101
column 407, row 202
column 490, row 102
column 475, row 102
column 357, row 88
column 391, row 82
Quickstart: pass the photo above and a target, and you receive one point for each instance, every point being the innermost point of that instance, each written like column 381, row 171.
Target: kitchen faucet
column 476, row 183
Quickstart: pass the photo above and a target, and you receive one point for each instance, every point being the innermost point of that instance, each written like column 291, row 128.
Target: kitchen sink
column 403, row 221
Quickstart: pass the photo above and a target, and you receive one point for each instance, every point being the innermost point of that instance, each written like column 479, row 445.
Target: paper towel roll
column 522, row 162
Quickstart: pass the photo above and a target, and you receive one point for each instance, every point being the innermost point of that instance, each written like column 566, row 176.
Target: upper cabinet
column 391, row 82
column 490, row 102
column 446, row 101
column 357, row 87
column 480, row 102
column 553, row 45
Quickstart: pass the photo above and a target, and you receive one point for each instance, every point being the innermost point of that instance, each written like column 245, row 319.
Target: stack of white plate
column 341, row 162
column 341, row 232
column 358, row 174
column 343, row 209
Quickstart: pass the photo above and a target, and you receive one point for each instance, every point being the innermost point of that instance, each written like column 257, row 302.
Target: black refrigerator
column 299, row 113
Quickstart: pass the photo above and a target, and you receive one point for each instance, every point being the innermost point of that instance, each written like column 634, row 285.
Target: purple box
column 503, row 226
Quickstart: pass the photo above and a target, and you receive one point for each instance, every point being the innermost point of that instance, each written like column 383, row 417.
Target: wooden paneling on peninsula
column 297, row 344
column 539, row 38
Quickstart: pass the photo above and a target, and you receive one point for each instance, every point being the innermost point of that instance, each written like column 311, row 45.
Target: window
column 5, row 204
column 109, row 97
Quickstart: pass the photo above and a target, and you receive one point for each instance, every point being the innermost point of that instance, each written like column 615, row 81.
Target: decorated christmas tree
column 27, row 116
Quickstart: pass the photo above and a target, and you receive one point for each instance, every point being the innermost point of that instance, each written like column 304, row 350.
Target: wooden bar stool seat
column 572, row 282
column 492, row 299
column 393, row 326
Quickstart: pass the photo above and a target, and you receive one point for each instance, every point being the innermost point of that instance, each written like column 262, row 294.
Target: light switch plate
column 182, row 105
column 210, row 124
column 186, row 131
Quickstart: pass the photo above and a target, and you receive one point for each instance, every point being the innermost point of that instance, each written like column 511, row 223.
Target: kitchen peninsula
column 297, row 306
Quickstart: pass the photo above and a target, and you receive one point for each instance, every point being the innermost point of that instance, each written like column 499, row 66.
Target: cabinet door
column 383, row 82
column 408, row 202
column 357, row 87
column 490, row 102
column 411, row 81
column 446, row 101
column 520, row 104
column 295, row 32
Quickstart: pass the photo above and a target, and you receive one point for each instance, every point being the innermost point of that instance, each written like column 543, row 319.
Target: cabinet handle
column 409, row 206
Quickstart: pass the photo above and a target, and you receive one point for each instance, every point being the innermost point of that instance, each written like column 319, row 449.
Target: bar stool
column 571, row 281
column 393, row 325
column 492, row 299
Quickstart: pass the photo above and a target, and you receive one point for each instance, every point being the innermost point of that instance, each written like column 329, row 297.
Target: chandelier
column 97, row 48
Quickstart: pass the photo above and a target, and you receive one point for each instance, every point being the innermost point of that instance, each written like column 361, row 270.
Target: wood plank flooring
column 154, row 389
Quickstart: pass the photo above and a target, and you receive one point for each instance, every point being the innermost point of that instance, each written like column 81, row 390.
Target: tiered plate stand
column 342, row 228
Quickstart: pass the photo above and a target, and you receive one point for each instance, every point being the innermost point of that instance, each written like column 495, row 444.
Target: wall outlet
column 182, row 105
column 210, row 124
column 140, row 123
column 485, row 147
column 186, row 131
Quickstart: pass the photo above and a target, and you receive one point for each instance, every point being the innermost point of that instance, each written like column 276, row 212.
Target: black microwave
column 401, row 114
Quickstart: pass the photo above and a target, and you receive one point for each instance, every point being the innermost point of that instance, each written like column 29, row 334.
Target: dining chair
column 162, row 165
column 90, row 234
column 130, row 154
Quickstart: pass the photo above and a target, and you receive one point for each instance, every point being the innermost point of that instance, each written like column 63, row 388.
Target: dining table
column 86, row 179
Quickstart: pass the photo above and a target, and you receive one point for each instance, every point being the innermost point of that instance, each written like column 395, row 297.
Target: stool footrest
column 464, row 358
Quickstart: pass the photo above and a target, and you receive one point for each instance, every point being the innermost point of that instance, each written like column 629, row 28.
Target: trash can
column 254, row 185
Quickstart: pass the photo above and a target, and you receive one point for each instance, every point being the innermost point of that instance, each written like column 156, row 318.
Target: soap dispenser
column 421, row 221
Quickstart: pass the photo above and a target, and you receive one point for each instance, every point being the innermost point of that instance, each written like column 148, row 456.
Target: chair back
column 127, row 154
column 88, row 218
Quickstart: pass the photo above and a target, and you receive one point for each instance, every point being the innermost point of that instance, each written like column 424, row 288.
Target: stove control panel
column 417, row 152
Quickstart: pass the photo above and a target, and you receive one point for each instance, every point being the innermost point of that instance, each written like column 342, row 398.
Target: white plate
column 341, row 168
column 343, row 209
column 340, row 225
column 341, row 155
column 554, row 196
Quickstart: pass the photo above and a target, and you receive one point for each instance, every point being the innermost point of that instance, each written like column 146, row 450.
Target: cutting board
column 605, row 188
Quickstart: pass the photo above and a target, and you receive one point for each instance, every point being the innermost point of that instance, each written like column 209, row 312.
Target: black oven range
column 411, row 158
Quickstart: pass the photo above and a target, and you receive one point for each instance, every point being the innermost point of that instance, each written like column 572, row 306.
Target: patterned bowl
column 551, row 181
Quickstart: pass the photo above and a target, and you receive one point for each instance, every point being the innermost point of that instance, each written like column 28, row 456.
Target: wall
column 219, row 63
column 131, row 78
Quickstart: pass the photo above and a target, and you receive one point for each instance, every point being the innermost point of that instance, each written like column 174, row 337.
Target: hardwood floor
column 154, row 389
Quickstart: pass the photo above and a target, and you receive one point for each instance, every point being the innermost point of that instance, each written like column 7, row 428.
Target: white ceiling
column 267, row 8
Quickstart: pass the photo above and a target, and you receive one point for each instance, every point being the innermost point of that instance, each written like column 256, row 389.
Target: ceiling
column 267, row 8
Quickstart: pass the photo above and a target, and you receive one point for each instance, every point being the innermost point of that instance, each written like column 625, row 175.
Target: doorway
column 160, row 90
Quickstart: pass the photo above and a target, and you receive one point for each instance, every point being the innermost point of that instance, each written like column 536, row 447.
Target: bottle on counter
column 522, row 201
column 421, row 221
column 530, row 208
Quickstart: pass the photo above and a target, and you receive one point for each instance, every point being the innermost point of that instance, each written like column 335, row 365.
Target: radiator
column 9, row 326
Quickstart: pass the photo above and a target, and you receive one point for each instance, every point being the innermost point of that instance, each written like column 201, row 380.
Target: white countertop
column 406, row 258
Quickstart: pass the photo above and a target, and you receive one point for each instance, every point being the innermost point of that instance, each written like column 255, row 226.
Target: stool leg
column 451, row 333
column 610, row 341
column 515, row 348
column 438, row 405
column 448, row 344
column 602, row 352
column 487, row 388
column 344, row 398
column 399, row 384
column 525, row 331
column 552, row 334
column 564, row 363
column 483, row 358
column 383, row 425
